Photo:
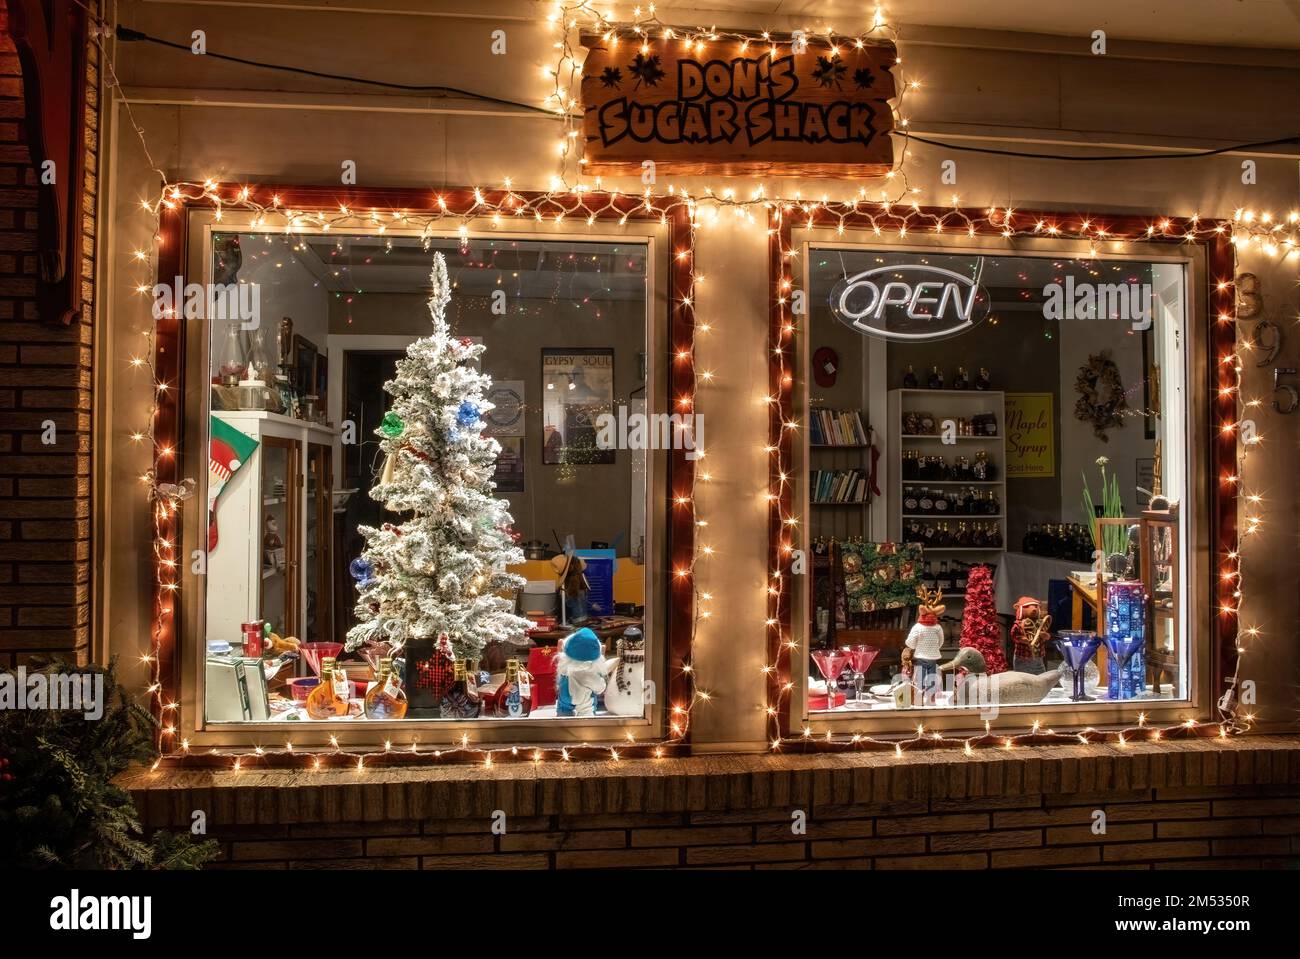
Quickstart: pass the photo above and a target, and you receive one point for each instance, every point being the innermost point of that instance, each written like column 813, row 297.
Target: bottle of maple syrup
column 386, row 699
column 330, row 697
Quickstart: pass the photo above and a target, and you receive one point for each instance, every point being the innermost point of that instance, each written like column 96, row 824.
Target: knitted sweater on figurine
column 925, row 639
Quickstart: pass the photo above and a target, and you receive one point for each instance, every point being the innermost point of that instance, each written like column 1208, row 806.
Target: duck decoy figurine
column 1004, row 689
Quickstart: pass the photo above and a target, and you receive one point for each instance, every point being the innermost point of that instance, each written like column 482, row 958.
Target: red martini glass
column 860, row 659
column 831, row 662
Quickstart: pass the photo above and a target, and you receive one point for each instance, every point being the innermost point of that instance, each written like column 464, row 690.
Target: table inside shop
column 1084, row 590
column 605, row 627
column 1024, row 574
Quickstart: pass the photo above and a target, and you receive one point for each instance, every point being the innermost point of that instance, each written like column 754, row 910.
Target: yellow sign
column 1030, row 435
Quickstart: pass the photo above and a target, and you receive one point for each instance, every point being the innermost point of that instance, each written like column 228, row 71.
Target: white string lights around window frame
column 1222, row 240
column 567, row 199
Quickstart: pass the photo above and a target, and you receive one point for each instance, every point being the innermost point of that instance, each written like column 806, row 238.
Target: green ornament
column 392, row 424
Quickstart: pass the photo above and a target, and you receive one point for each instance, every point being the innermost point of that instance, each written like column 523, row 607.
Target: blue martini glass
column 1121, row 649
column 1077, row 647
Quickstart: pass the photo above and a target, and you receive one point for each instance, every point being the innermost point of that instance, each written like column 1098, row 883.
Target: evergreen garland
column 59, row 806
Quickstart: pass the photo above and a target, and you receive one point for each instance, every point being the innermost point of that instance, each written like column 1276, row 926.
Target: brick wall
column 45, row 375
column 1227, row 828
column 1196, row 804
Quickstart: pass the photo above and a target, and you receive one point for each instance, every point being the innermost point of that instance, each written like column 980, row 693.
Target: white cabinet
column 286, row 485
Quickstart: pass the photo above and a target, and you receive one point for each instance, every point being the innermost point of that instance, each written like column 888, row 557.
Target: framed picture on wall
column 577, row 388
column 304, row 364
column 506, row 418
column 509, row 475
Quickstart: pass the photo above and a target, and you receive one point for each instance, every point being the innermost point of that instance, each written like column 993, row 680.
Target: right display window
column 995, row 455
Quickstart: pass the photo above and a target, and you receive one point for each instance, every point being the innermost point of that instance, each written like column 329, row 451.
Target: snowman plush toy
column 581, row 674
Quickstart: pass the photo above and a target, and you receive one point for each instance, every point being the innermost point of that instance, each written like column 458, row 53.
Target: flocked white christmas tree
column 441, row 569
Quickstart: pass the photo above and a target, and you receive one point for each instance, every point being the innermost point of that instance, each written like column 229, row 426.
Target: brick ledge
column 166, row 797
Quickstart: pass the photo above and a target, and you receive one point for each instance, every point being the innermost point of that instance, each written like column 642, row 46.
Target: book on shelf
column 839, row 486
column 836, row 428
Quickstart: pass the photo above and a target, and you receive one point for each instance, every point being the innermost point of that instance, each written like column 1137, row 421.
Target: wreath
column 1101, row 394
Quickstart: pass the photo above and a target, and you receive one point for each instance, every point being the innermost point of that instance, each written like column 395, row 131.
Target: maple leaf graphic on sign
column 646, row 69
column 864, row 78
column 611, row 77
column 829, row 73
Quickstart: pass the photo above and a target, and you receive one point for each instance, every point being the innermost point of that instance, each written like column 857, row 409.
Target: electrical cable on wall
column 128, row 34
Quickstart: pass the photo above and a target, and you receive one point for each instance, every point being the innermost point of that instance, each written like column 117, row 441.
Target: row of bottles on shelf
column 925, row 423
column 948, row 578
column 971, row 535
column 918, row 466
column 1070, row 541
column 961, row 380
column 963, row 501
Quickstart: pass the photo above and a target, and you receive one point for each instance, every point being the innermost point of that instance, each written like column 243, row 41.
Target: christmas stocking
column 228, row 450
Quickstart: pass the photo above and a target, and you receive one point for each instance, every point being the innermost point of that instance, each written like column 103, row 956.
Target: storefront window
column 429, row 498
column 995, row 458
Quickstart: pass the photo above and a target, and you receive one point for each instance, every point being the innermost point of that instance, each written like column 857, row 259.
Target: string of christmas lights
column 1246, row 229
column 570, row 199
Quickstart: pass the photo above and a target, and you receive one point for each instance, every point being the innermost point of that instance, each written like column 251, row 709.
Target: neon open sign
column 911, row 302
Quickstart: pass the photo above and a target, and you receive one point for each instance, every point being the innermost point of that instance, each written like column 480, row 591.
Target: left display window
column 427, row 500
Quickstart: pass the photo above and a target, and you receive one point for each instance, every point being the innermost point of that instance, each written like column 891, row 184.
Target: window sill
column 716, row 783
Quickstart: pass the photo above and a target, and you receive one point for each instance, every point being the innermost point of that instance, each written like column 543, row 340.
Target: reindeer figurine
column 923, row 646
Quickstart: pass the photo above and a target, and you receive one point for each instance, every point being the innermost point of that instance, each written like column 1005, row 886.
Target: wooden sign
column 1031, row 436
column 738, row 108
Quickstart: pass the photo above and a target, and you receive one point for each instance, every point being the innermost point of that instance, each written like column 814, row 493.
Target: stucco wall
column 204, row 118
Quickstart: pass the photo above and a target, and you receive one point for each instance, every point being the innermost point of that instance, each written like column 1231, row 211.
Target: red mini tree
column 979, row 622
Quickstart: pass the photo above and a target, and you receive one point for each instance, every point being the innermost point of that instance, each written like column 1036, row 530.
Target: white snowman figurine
column 580, row 674
column 625, row 695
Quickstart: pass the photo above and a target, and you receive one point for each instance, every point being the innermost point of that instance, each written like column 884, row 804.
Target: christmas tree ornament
column 454, row 524
column 580, row 672
column 363, row 571
column 979, row 622
column 468, row 414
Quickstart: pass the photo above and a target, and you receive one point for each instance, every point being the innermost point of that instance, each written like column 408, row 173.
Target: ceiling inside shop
column 547, row 269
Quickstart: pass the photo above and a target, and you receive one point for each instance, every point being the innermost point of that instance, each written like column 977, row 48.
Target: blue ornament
column 362, row 571
column 468, row 414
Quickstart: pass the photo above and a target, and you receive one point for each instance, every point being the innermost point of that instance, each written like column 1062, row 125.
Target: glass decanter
column 330, row 696
column 386, row 699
